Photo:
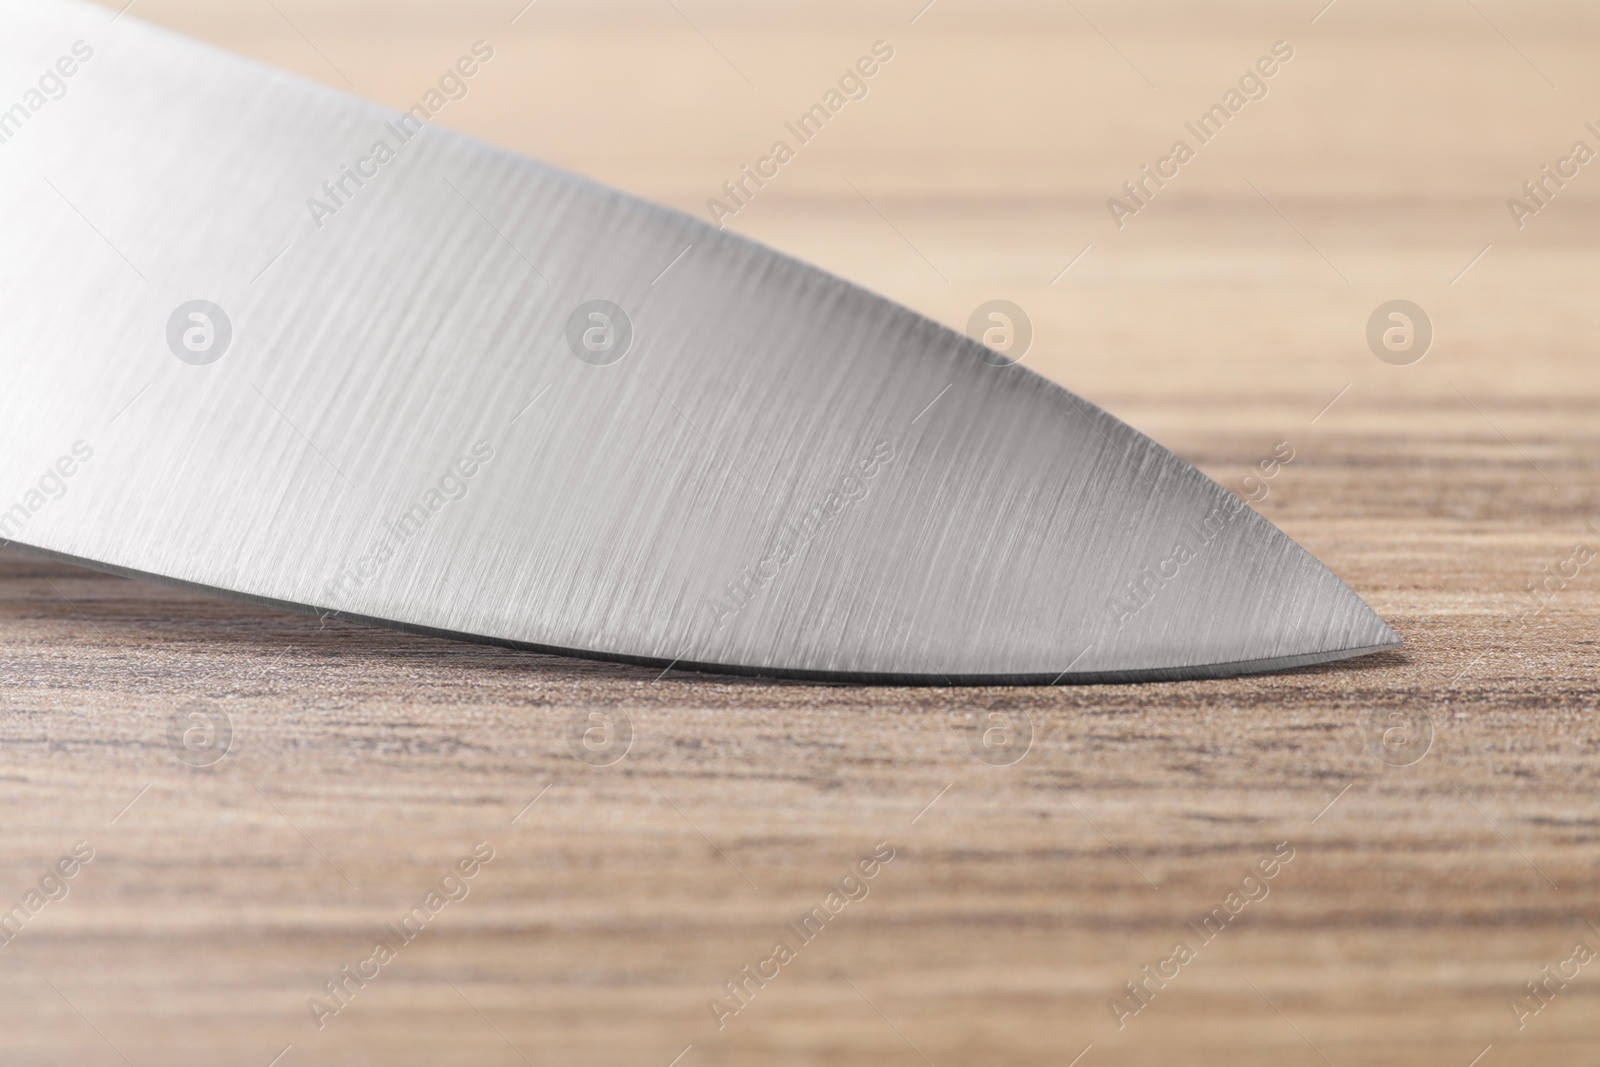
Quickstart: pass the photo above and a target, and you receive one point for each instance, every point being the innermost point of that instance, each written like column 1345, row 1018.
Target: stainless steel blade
column 470, row 398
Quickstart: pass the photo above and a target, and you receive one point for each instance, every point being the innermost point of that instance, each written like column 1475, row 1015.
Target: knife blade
column 270, row 341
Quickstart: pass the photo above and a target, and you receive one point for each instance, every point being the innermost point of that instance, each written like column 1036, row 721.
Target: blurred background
column 1229, row 313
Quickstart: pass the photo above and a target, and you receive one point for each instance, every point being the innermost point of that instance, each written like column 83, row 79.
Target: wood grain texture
column 1221, row 319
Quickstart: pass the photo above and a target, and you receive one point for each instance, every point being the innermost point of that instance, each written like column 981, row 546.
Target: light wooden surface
column 1221, row 319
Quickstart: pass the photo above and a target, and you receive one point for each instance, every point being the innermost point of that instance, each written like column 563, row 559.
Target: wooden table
column 1225, row 316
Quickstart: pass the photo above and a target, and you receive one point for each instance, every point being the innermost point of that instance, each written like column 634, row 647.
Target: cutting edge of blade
column 928, row 679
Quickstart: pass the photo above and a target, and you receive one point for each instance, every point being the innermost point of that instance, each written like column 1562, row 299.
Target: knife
column 269, row 341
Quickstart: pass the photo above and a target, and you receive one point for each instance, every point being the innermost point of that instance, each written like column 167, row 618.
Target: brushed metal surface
column 401, row 429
